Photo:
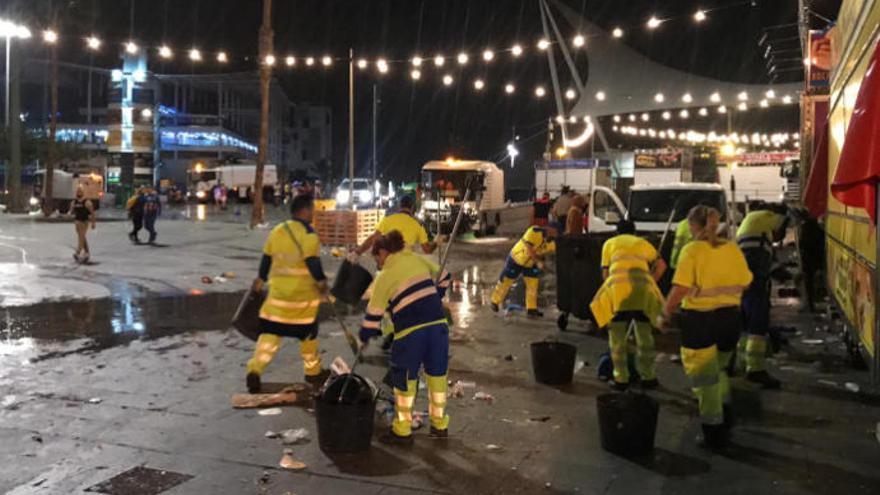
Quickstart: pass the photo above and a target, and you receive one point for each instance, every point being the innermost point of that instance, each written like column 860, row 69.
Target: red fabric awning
column 816, row 190
column 855, row 182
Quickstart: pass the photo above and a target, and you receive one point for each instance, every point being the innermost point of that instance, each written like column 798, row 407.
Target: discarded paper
column 95, row 400
column 493, row 447
column 852, row 387
column 272, row 411
column 294, row 436
column 288, row 462
column 813, row 341
column 484, row 397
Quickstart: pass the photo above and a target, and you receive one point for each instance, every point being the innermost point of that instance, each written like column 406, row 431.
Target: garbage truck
column 443, row 188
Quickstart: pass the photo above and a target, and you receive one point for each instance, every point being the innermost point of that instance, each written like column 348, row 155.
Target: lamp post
column 10, row 31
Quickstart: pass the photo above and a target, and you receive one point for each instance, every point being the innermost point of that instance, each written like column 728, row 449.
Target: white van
column 443, row 189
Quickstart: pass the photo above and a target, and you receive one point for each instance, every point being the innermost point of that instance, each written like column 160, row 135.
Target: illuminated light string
column 776, row 139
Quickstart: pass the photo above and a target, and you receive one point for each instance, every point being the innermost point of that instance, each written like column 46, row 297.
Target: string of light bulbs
column 776, row 139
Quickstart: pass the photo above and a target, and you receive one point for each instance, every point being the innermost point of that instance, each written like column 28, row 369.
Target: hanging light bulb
column 50, row 36
column 616, row 118
column 600, row 95
column 165, row 52
column 687, row 98
column 222, row 58
column 439, row 61
column 509, row 88
column 270, row 59
column 659, row 98
column 743, row 96
column 488, row 56
column 196, row 56
column 703, row 112
column 786, row 99
column 742, row 107
column 684, row 114
column 417, row 61
column 131, row 47
column 617, row 32
column 654, row 23
column 290, row 60
column 722, row 109
column 540, row 92
column 326, row 60
column 382, row 65
column 415, row 74
column 543, row 44
column 363, row 64
column 448, row 80
column 93, row 43
column 700, row 16
column 715, row 97
column 310, row 61
column 770, row 94
column 579, row 41
column 479, row 84
column 463, row 58
column 570, row 94
column 632, row 117
column 516, row 50
column 646, row 117
column 666, row 115
column 764, row 103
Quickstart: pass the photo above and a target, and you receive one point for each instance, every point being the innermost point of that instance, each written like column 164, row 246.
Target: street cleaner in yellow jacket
column 297, row 284
column 708, row 284
column 755, row 237
column 526, row 259
column 630, row 299
column 407, row 288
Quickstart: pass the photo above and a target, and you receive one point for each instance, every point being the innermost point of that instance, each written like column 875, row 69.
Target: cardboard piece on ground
column 287, row 396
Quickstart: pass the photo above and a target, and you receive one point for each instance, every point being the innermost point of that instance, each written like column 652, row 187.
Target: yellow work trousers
column 268, row 345
column 499, row 294
column 404, row 401
column 645, row 352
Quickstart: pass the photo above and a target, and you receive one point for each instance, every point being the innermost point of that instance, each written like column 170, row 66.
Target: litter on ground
column 294, row 436
column 272, row 411
column 288, row 462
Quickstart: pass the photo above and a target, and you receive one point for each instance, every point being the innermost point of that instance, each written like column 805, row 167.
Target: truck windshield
column 359, row 185
column 656, row 205
column 449, row 183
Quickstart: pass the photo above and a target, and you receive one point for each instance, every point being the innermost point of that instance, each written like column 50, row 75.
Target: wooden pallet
column 346, row 228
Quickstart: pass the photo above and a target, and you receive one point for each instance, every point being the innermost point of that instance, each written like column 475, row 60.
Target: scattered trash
column 339, row 366
column 579, row 366
column 505, row 420
column 286, row 397
column 207, row 280
column 229, row 275
column 272, row 411
column 828, row 383
column 852, row 387
column 813, row 341
column 271, row 434
column 294, row 436
column 456, row 391
column 95, row 400
column 265, row 477
column 37, row 438
column 336, row 334
column 539, row 419
column 8, row 400
column 467, row 384
column 547, row 485
column 493, row 447
column 510, row 357
column 288, row 462
column 419, row 419
column 484, row 397
column 675, row 358
column 220, row 280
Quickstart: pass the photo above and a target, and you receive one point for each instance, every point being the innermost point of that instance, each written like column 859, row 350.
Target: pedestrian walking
column 541, row 211
column 152, row 208
column 755, row 237
column 406, row 289
column 83, row 212
column 291, row 265
column 135, row 207
column 574, row 220
column 562, row 205
column 630, row 299
column 711, row 277
column 526, row 259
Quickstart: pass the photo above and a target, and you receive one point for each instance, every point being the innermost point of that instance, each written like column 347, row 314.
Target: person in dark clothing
column 136, row 213
column 152, row 208
column 811, row 249
column 541, row 211
column 83, row 212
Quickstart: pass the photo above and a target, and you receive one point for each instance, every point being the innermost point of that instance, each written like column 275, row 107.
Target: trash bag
column 351, row 282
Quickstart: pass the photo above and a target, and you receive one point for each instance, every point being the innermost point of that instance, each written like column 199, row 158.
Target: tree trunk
column 49, row 179
column 265, row 82
column 14, row 201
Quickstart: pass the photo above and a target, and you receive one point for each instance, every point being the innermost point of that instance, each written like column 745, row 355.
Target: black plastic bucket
column 351, row 282
column 346, row 426
column 553, row 362
column 627, row 423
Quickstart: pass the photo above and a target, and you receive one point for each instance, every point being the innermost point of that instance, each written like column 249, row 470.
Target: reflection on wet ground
column 113, row 321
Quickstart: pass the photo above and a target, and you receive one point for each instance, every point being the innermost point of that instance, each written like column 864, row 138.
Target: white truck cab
column 652, row 206
column 443, row 189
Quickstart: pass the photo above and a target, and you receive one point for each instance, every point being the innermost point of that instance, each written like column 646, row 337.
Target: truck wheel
column 562, row 321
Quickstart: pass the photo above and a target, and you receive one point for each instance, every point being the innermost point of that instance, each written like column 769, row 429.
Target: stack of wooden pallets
column 345, row 227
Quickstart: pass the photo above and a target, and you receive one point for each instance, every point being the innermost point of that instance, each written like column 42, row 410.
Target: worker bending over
column 755, row 237
column 407, row 289
column 297, row 284
column 630, row 298
column 526, row 259
column 412, row 230
column 708, row 284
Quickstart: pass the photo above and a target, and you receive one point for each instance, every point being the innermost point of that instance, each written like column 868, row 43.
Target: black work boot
column 534, row 313
column 253, row 383
column 764, row 379
column 391, row 438
column 439, row 434
column 494, row 307
column 715, row 437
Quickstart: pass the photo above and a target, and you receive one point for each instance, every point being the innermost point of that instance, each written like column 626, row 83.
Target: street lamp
column 10, row 30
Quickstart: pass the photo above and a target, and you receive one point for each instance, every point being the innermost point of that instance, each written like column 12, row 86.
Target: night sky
column 423, row 121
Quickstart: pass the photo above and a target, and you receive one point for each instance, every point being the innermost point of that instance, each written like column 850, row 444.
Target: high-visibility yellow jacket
column 294, row 296
column 412, row 230
column 537, row 238
column 406, row 289
column 629, row 286
column 682, row 238
column 757, row 229
column 715, row 275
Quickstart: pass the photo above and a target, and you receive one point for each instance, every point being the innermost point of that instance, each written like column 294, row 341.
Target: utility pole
column 14, row 203
column 375, row 128
column 49, row 178
column 351, row 128
column 265, row 83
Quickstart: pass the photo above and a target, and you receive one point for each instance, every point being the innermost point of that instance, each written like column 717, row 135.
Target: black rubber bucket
column 553, row 362
column 351, row 283
column 627, row 423
column 346, row 426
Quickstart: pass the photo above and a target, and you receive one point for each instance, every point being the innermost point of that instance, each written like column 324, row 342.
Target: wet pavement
column 119, row 379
